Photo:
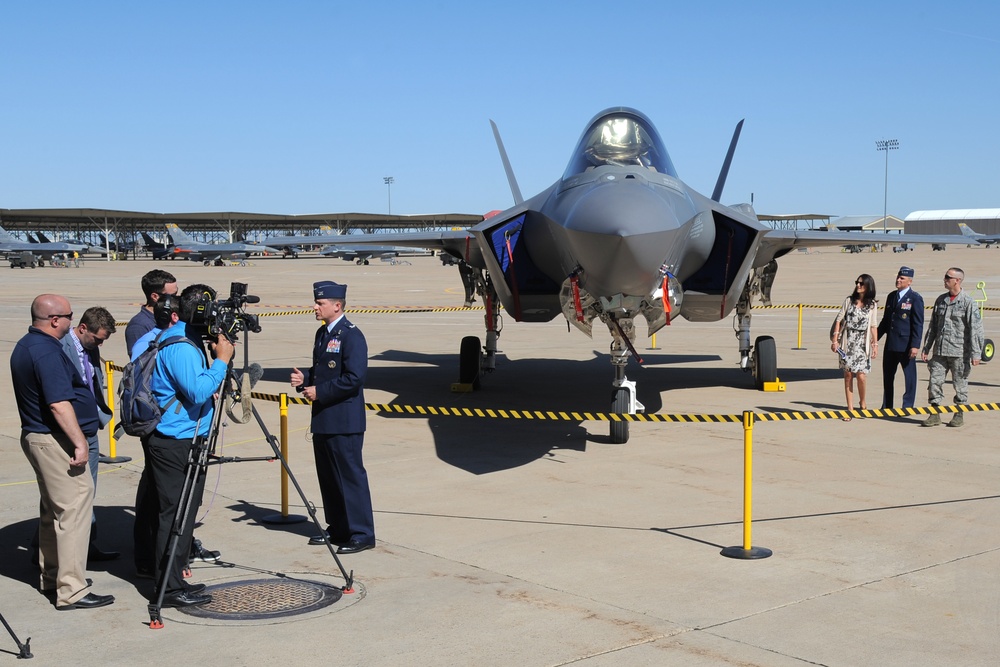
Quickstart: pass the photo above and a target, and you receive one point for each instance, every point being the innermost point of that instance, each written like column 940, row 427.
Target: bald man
column 58, row 413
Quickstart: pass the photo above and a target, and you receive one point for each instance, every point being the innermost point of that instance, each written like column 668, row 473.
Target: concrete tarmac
column 523, row 542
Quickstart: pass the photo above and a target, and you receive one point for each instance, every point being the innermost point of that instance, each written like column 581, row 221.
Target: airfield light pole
column 389, row 180
column 886, row 145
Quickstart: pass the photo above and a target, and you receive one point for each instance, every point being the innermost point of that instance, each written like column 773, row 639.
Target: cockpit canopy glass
column 623, row 138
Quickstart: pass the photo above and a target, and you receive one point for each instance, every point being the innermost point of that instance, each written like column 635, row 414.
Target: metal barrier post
column 747, row 551
column 284, row 517
column 109, row 372
column 799, row 345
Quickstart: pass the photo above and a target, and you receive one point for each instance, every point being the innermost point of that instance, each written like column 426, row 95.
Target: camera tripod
column 203, row 455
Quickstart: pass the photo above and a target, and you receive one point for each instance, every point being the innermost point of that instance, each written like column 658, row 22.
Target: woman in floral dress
column 855, row 338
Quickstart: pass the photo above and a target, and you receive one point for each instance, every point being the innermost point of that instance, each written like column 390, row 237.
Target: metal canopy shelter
column 88, row 223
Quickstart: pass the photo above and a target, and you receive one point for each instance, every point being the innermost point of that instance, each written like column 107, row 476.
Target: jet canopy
column 620, row 137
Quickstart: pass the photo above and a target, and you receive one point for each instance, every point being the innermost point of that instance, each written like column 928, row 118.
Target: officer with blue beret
column 335, row 385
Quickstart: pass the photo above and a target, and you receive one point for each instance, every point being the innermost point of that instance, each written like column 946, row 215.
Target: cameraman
column 182, row 371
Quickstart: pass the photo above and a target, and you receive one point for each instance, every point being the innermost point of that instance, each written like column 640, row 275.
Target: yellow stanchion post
column 798, row 346
column 747, row 551
column 109, row 373
column 652, row 343
column 284, row 517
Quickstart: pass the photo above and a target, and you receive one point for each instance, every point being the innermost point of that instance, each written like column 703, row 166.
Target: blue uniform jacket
column 902, row 322
column 339, row 369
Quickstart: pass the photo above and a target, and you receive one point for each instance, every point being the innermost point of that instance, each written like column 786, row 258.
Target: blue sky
column 304, row 107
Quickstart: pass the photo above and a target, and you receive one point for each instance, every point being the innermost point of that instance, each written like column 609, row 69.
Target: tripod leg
column 24, row 650
column 271, row 440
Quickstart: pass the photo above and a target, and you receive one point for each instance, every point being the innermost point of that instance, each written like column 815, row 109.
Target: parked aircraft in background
column 327, row 237
column 619, row 237
column 105, row 245
column 210, row 252
column 983, row 239
column 361, row 254
column 43, row 249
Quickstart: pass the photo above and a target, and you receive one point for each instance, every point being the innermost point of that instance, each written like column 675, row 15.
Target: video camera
column 227, row 316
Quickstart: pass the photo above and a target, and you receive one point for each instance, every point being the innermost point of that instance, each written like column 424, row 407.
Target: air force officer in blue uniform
column 903, row 327
column 335, row 385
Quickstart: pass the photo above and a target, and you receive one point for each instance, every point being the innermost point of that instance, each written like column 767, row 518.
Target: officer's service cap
column 905, row 271
column 327, row 289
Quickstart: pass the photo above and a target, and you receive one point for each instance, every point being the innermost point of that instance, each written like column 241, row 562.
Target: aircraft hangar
column 981, row 220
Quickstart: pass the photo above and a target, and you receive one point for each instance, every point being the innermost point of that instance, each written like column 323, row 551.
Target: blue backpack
column 140, row 413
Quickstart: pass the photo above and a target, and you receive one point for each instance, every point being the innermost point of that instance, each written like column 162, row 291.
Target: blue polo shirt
column 181, row 371
column 43, row 375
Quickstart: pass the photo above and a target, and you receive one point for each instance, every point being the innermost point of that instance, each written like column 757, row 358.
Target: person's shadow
column 115, row 526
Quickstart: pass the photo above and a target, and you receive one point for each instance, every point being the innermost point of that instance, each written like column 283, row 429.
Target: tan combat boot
column 957, row 420
column 933, row 420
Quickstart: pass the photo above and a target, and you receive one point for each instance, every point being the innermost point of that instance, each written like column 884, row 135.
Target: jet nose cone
column 620, row 233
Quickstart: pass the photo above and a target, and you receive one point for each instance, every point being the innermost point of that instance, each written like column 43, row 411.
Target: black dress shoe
column 193, row 589
column 354, row 546
column 89, row 601
column 51, row 592
column 317, row 540
column 185, row 599
column 96, row 555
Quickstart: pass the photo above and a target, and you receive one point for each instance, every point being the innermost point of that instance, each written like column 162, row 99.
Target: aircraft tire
column 988, row 350
column 468, row 361
column 765, row 361
column 619, row 405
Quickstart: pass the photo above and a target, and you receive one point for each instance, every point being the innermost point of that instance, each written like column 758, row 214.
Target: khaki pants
column 65, row 508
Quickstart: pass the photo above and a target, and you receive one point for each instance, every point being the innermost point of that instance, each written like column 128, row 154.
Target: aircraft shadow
column 485, row 445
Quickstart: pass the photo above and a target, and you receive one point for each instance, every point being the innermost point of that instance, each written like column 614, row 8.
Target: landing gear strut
column 624, row 401
column 476, row 359
column 762, row 360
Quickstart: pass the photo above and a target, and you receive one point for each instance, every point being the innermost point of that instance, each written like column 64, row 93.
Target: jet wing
column 778, row 242
column 457, row 243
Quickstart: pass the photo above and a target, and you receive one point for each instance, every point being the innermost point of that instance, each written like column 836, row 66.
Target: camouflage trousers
column 938, row 367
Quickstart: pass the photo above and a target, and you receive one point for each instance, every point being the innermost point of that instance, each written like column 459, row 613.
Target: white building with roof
column 981, row 220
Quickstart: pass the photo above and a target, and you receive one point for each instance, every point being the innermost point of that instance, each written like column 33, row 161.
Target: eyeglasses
column 68, row 317
column 947, row 277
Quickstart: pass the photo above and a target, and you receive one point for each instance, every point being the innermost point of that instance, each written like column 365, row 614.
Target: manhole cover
column 264, row 598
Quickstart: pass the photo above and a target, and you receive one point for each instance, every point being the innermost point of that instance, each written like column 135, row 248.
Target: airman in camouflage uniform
column 955, row 336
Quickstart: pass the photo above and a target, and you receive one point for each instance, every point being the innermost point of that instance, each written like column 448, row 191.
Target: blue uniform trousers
column 890, row 361
column 343, row 483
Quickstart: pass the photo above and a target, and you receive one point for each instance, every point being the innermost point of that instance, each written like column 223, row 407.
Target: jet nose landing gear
column 624, row 402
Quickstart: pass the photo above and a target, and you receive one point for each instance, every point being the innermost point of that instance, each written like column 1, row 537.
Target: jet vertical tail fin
column 967, row 231
column 721, row 183
column 6, row 237
column 178, row 235
column 514, row 190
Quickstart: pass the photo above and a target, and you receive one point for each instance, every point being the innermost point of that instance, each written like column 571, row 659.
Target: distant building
column 980, row 220
column 868, row 223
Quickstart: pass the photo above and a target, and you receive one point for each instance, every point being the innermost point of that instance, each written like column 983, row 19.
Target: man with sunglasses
column 955, row 337
column 58, row 413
